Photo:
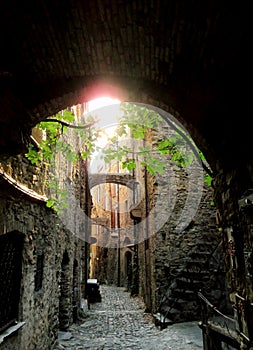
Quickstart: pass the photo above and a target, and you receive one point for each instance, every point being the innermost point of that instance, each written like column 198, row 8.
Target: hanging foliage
column 136, row 121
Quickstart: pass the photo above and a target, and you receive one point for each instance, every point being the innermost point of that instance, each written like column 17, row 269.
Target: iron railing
column 218, row 330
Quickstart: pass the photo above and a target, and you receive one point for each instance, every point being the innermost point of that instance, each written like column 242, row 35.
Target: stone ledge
column 10, row 331
column 22, row 188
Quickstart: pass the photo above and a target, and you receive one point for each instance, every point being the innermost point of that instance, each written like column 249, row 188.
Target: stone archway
column 130, row 90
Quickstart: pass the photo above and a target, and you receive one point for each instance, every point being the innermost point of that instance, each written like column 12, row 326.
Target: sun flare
column 101, row 102
column 108, row 128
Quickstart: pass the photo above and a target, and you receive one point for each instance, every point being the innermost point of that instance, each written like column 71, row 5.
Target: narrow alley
column 126, row 158
column 120, row 322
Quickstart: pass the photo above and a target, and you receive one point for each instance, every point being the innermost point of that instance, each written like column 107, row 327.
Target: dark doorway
column 11, row 247
column 129, row 269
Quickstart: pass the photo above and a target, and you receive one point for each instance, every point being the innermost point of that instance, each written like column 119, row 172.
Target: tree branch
column 69, row 125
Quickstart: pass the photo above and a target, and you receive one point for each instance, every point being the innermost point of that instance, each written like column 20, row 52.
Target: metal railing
column 164, row 297
column 218, row 330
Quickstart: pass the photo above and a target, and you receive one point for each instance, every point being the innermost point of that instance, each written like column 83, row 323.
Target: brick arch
column 132, row 90
column 189, row 57
column 120, row 179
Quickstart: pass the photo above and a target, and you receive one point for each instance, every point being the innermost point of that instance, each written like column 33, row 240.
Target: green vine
column 139, row 121
column 43, row 154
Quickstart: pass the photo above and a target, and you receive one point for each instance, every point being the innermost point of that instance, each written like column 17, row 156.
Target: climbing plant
column 137, row 121
column 43, row 154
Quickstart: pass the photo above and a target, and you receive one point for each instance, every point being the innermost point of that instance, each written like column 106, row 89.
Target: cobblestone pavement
column 119, row 322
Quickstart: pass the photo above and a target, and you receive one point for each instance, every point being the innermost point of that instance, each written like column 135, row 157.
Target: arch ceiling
column 190, row 58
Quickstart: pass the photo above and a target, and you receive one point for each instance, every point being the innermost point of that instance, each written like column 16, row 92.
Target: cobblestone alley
column 119, row 322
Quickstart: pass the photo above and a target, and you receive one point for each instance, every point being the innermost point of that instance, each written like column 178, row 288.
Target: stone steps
column 179, row 301
column 181, row 310
column 161, row 321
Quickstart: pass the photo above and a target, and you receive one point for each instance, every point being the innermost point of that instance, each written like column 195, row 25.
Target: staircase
column 178, row 300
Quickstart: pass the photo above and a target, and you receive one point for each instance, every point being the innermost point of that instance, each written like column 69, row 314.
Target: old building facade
column 152, row 258
column 44, row 251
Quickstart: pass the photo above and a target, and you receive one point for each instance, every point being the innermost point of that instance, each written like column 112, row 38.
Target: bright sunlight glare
column 101, row 102
column 110, row 114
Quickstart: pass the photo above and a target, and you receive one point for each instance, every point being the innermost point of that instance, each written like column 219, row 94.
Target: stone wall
column 233, row 194
column 175, row 263
column 55, row 256
column 43, row 234
column 177, row 250
column 189, row 261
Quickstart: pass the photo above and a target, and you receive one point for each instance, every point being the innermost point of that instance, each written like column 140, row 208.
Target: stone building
column 44, row 253
column 165, row 266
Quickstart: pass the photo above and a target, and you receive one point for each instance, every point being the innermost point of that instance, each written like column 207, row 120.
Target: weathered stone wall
column 56, row 242
column 182, row 254
column 190, row 261
column 177, row 235
column 43, row 232
column 233, row 195
column 182, row 261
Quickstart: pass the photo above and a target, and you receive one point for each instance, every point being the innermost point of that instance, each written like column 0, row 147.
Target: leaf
column 208, row 179
column 33, row 155
column 163, row 144
column 49, row 203
column 129, row 164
